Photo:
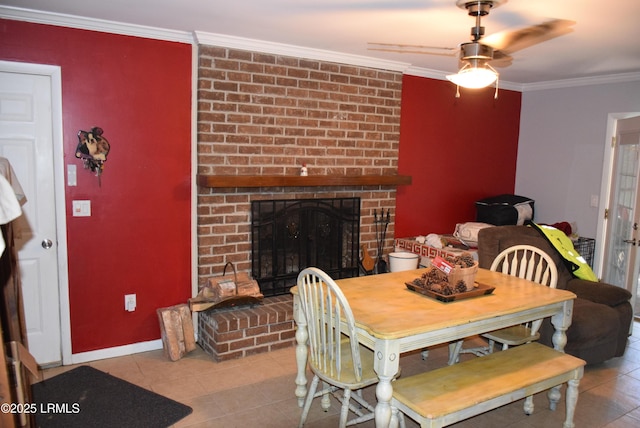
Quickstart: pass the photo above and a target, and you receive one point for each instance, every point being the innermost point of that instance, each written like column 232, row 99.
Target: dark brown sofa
column 602, row 313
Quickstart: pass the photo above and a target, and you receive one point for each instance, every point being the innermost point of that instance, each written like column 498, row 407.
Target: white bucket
column 403, row 260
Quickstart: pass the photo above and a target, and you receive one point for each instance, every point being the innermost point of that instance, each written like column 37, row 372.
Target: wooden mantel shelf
column 221, row 181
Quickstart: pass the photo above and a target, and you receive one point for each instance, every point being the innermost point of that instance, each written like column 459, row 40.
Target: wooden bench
column 444, row 396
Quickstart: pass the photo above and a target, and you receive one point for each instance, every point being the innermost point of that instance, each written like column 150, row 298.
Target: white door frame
column 55, row 74
column 605, row 186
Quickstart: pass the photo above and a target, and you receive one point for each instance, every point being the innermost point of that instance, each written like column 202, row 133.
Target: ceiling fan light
column 474, row 77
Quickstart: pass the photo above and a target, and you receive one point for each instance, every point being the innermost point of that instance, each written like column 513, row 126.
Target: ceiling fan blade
column 501, row 59
column 414, row 49
column 511, row 41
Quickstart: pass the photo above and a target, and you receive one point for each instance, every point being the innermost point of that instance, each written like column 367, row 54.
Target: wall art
column 93, row 149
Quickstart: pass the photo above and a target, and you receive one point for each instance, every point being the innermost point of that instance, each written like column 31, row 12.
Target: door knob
column 630, row 241
column 46, row 244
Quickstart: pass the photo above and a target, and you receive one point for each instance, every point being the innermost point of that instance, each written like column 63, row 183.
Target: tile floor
column 258, row 391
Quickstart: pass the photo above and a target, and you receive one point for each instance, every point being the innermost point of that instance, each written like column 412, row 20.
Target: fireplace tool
column 381, row 224
column 367, row 264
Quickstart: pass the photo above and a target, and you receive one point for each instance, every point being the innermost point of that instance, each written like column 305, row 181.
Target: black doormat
column 86, row 397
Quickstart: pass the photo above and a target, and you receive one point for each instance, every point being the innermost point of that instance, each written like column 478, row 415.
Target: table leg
column 301, row 350
column 561, row 321
column 386, row 365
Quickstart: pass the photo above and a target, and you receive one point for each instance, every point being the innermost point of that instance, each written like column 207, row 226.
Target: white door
column 621, row 264
column 26, row 135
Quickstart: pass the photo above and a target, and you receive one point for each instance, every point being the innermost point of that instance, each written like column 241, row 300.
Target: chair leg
column 325, row 402
column 361, row 407
column 528, row 405
column 454, row 352
column 397, row 418
column 307, row 402
column 363, row 404
column 344, row 411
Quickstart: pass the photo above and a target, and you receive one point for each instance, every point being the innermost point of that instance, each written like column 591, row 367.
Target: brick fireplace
column 265, row 114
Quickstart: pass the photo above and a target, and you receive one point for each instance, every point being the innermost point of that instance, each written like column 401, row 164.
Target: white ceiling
column 605, row 40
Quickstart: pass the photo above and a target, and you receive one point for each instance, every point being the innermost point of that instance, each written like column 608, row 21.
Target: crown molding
column 254, row 45
column 84, row 23
column 582, row 81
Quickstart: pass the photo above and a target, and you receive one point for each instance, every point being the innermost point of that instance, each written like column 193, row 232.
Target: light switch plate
column 81, row 208
column 72, row 175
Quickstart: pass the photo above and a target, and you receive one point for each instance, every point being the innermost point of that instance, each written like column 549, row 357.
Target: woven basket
column 468, row 275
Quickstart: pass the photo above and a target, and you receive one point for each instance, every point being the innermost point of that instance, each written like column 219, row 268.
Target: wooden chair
column 527, row 262
column 335, row 356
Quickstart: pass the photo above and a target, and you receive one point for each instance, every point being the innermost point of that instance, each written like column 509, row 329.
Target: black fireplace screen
column 290, row 235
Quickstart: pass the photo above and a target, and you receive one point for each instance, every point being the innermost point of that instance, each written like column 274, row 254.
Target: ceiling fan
column 477, row 55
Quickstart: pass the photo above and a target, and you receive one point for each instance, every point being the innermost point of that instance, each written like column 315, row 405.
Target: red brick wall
column 268, row 114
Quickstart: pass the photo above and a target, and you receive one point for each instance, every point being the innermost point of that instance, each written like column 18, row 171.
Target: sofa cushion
column 599, row 292
column 592, row 321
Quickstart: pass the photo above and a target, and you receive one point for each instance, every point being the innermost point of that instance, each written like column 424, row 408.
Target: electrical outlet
column 81, row 208
column 129, row 302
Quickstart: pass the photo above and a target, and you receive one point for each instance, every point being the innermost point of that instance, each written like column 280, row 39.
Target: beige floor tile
column 258, row 391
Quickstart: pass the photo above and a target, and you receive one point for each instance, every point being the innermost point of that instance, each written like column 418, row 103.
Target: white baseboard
column 117, row 351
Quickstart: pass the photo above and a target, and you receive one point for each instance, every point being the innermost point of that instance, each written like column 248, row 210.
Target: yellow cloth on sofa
column 561, row 242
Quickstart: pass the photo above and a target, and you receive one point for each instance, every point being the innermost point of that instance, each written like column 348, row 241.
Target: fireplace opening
column 290, row 235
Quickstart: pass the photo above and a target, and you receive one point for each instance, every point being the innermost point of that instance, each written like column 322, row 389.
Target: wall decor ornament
column 93, row 149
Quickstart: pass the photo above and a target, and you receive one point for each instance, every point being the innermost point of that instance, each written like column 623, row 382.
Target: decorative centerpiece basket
column 450, row 279
column 466, row 275
column 450, row 275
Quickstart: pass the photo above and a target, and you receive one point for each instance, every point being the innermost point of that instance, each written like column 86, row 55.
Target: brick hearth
column 233, row 333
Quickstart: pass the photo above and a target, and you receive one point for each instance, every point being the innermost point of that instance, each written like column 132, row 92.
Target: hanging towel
column 7, row 172
column 11, row 197
column 9, row 207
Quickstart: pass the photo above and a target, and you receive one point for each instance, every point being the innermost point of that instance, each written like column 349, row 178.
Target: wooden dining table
column 391, row 320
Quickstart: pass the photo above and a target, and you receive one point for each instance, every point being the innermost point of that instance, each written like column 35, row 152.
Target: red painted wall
column 457, row 150
column 138, row 237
